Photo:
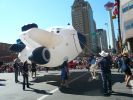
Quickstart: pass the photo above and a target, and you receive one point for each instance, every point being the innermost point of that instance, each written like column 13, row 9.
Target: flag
column 115, row 12
column 116, row 3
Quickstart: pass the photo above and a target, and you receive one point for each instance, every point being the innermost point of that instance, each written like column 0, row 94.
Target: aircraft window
column 57, row 31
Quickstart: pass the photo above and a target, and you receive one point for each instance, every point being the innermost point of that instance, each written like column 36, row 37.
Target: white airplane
column 48, row 47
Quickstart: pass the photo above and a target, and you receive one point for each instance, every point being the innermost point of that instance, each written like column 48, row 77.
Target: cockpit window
column 58, row 30
column 19, row 41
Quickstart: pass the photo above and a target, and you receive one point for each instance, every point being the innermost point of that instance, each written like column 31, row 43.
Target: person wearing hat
column 126, row 61
column 64, row 73
column 105, row 66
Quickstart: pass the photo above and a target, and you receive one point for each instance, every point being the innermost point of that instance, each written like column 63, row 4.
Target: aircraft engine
column 40, row 55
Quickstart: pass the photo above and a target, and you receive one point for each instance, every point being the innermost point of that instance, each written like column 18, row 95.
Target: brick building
column 5, row 54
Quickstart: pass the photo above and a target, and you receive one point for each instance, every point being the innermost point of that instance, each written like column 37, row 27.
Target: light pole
column 108, row 35
column 120, row 39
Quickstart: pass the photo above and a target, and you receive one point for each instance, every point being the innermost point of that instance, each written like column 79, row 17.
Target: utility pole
column 120, row 38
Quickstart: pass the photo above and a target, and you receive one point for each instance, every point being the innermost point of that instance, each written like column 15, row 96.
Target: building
column 101, row 40
column 126, row 23
column 83, row 22
column 6, row 55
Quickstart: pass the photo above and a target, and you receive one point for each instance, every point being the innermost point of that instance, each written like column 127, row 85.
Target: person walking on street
column 33, row 69
column 126, row 61
column 105, row 66
column 16, row 66
column 25, row 75
column 64, row 73
column 93, row 67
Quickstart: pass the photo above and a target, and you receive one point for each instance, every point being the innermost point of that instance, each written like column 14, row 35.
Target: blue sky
column 46, row 13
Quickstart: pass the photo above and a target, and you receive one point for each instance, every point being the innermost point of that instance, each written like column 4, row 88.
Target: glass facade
column 128, row 25
column 127, row 6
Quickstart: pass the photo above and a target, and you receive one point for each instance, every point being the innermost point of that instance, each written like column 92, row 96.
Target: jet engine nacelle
column 40, row 55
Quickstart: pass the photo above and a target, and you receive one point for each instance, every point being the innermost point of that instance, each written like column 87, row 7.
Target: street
column 46, row 87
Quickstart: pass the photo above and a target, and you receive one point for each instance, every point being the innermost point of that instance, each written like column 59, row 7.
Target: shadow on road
column 2, row 80
column 40, row 91
column 82, row 86
column 1, row 83
column 117, row 78
column 47, row 78
column 122, row 94
column 94, row 87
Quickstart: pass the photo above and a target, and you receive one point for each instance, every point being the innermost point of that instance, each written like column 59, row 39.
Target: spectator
column 93, row 67
column 25, row 75
column 33, row 69
column 64, row 73
column 126, row 61
column 105, row 66
column 16, row 65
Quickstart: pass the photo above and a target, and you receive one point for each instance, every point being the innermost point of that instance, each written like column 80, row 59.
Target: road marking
column 53, row 91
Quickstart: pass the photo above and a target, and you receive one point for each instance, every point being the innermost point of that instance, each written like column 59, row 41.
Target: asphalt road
column 46, row 87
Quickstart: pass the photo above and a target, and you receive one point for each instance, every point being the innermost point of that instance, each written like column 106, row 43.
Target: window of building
column 130, row 5
column 128, row 25
column 127, row 6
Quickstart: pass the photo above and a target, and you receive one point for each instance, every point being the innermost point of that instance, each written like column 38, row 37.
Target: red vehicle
column 72, row 64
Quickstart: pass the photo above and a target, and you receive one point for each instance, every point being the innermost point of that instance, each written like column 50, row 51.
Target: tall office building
column 101, row 40
column 83, row 22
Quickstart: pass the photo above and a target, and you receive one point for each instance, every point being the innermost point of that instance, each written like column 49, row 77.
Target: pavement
column 47, row 87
